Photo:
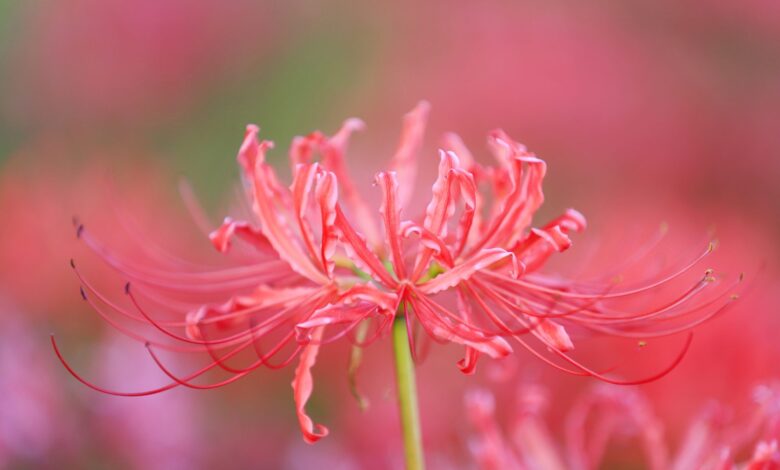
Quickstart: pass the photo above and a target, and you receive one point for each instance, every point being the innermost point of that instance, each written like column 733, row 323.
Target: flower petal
column 465, row 270
column 468, row 365
column 359, row 252
column 460, row 333
column 439, row 209
column 303, row 385
column 333, row 151
column 220, row 237
column 536, row 248
column 302, row 148
column 404, row 161
column 453, row 142
column 327, row 193
column 495, row 347
column 552, row 334
column 513, row 213
column 391, row 214
column 273, row 225
column 302, row 189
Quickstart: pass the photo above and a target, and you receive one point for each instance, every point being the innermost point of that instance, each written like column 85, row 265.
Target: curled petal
column 553, row 334
column 503, row 147
column 252, row 149
column 332, row 314
column 514, row 212
column 436, row 245
column 359, row 252
column 265, row 296
column 554, row 237
column 351, row 307
column 469, row 195
column 495, row 347
column 302, row 388
column 303, row 182
column 387, row 301
column 333, row 151
column 341, row 138
column 327, row 194
column 273, row 223
column 464, row 271
column 224, row 316
column 571, row 220
column 536, row 248
column 221, row 237
column 192, row 323
column 391, row 214
column 453, row 142
column 531, row 197
column 232, row 311
column 468, row 364
column 439, row 209
column 302, row 148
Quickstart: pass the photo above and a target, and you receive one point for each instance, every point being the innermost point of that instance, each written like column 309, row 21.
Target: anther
column 83, row 293
column 72, row 263
column 127, row 287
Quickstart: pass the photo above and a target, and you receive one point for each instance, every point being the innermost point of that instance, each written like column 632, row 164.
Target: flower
column 314, row 260
column 608, row 414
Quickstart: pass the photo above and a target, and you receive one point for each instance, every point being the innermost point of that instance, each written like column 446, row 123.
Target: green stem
column 407, row 396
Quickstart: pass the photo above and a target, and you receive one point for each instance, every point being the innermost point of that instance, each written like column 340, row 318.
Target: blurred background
column 647, row 113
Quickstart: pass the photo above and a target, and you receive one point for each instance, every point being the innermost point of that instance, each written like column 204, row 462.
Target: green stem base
column 407, row 397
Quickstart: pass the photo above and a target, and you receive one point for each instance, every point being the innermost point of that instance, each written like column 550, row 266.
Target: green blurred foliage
column 295, row 92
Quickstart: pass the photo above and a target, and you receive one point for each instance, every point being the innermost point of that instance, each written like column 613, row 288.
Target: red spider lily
column 608, row 414
column 465, row 271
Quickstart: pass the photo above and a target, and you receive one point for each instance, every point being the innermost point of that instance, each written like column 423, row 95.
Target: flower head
column 312, row 262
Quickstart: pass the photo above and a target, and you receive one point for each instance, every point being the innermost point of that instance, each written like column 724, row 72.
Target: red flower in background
column 88, row 61
column 608, row 415
column 314, row 260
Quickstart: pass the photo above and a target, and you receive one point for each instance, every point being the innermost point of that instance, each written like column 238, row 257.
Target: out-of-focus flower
column 163, row 431
column 34, row 420
column 93, row 61
column 607, row 415
column 689, row 86
column 314, row 259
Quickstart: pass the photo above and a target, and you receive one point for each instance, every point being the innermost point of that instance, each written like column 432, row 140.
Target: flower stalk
column 407, row 396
